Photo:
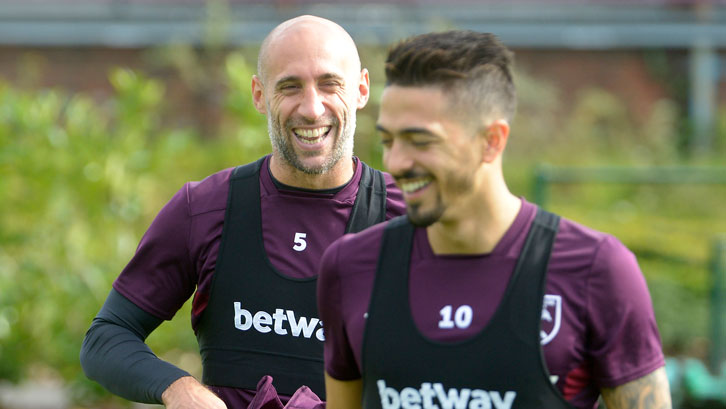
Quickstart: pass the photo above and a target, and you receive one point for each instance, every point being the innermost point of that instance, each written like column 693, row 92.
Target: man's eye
column 421, row 143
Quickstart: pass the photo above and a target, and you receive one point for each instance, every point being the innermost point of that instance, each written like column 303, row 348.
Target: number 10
column 462, row 317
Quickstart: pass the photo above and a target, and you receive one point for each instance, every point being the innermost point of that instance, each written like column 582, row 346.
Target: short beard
column 343, row 145
column 420, row 219
column 457, row 185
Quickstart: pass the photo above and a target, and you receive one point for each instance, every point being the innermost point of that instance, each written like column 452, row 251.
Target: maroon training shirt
column 598, row 324
column 177, row 255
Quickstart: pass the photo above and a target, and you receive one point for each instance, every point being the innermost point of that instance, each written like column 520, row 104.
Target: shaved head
column 309, row 84
column 306, row 28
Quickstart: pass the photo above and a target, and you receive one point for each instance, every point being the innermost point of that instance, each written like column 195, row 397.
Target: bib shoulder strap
column 369, row 207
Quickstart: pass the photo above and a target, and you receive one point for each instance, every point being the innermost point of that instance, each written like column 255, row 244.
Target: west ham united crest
column 551, row 318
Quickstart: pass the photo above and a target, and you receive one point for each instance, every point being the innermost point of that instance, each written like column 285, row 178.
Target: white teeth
column 311, row 135
column 409, row 187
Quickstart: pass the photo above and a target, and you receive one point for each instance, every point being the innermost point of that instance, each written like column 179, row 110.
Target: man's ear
column 496, row 136
column 364, row 89
column 258, row 95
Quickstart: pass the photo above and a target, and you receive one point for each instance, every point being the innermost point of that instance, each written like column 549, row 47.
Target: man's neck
column 477, row 228
column 336, row 176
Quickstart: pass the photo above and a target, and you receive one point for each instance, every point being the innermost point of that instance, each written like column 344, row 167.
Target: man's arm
column 343, row 394
column 114, row 354
column 649, row 392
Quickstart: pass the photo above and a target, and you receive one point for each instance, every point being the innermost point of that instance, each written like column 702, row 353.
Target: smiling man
column 477, row 298
column 246, row 241
column 311, row 128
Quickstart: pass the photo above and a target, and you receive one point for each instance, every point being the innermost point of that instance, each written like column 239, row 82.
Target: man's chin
column 314, row 165
column 420, row 219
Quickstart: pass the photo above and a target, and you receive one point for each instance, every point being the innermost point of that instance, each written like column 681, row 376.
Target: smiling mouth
column 412, row 186
column 311, row 136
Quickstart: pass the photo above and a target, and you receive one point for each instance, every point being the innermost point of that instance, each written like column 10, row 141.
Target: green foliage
column 81, row 181
column 598, row 128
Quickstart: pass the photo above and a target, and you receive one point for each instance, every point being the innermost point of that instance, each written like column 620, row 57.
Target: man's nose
column 397, row 158
column 311, row 106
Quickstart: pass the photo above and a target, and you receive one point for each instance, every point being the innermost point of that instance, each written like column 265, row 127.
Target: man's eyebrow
column 330, row 76
column 404, row 131
column 289, row 78
column 295, row 78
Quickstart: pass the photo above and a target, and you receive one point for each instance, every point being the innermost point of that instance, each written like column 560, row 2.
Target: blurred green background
column 82, row 175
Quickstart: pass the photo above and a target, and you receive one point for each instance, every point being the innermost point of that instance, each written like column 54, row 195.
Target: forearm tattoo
column 649, row 392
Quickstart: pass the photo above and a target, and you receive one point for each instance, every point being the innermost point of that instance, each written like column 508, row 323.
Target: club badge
column 551, row 318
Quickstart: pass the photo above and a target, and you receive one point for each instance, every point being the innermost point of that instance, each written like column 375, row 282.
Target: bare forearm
column 343, row 394
column 649, row 392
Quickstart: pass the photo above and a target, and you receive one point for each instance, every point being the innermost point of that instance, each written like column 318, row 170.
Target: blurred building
column 640, row 50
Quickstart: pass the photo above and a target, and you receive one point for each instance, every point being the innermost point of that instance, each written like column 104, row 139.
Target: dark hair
column 474, row 70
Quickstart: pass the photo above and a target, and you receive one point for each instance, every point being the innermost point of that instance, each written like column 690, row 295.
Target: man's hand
column 187, row 393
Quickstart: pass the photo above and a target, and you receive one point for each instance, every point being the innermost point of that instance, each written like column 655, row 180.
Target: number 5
column 300, row 242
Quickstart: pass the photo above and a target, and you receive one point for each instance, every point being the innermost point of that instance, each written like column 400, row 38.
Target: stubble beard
column 425, row 219
column 416, row 215
column 458, row 186
column 282, row 144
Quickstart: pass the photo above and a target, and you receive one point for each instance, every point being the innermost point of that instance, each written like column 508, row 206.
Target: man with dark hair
column 477, row 298
column 246, row 241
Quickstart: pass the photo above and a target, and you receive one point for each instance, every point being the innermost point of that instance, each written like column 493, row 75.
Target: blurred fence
column 545, row 175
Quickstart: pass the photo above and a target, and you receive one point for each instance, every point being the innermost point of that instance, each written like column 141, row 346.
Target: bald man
column 246, row 241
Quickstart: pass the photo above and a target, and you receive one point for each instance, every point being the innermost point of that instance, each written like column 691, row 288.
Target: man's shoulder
column 369, row 237
column 582, row 248
column 389, row 182
column 359, row 249
column 395, row 205
column 575, row 234
column 573, row 239
column 391, row 186
column 209, row 194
